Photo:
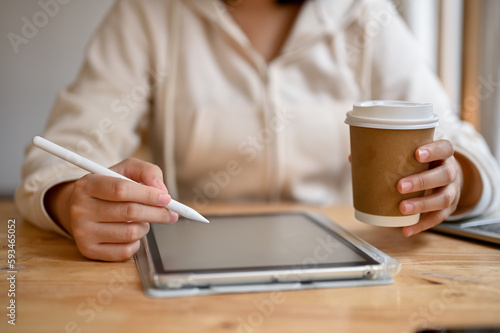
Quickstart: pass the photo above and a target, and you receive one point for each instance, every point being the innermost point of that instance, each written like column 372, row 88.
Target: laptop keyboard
column 492, row 227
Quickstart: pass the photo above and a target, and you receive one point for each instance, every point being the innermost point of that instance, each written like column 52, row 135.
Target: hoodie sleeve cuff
column 44, row 219
column 487, row 194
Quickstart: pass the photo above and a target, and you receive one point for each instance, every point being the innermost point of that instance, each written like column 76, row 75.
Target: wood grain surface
column 444, row 281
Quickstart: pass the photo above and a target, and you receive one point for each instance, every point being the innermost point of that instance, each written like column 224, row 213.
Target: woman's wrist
column 57, row 204
column 472, row 186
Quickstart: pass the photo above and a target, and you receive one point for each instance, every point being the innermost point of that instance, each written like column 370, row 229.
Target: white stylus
column 98, row 169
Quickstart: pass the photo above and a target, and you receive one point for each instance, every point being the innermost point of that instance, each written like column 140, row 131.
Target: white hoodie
column 180, row 77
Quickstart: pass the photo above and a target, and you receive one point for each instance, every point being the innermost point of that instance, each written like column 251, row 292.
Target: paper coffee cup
column 384, row 138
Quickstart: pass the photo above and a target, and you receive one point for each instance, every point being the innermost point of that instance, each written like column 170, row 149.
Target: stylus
column 98, row 169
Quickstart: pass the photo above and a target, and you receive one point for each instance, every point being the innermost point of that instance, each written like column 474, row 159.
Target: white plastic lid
column 392, row 115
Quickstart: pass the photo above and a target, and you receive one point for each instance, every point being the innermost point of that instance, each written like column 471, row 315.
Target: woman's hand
column 442, row 184
column 107, row 216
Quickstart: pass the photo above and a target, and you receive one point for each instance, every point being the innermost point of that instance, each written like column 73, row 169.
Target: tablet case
column 391, row 267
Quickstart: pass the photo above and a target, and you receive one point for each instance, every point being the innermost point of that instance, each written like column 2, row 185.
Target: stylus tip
column 194, row 215
column 203, row 219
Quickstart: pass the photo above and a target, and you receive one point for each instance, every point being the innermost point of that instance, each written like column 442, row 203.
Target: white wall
column 47, row 59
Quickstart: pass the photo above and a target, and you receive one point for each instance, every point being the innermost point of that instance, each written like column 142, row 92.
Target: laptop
column 483, row 228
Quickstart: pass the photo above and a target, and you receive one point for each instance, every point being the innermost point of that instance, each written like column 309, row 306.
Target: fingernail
column 406, row 187
column 409, row 208
column 174, row 217
column 164, row 199
column 423, row 155
column 409, row 232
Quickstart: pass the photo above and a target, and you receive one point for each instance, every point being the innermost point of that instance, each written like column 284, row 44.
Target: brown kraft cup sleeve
column 380, row 158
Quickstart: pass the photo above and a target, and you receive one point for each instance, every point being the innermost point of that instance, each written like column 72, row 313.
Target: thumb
column 141, row 172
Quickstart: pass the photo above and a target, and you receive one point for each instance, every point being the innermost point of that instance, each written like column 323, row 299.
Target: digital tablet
column 269, row 250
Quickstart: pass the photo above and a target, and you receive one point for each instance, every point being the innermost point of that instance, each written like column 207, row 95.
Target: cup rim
column 385, row 123
column 392, row 114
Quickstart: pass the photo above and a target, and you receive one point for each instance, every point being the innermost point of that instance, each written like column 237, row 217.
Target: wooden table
column 444, row 281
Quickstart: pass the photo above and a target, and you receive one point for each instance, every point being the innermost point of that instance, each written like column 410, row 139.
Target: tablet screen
column 250, row 242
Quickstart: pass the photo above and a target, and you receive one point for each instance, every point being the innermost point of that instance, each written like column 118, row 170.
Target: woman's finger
column 106, row 211
column 141, row 172
column 441, row 199
column 120, row 190
column 427, row 221
column 435, row 151
column 119, row 233
column 110, row 252
column 430, row 179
